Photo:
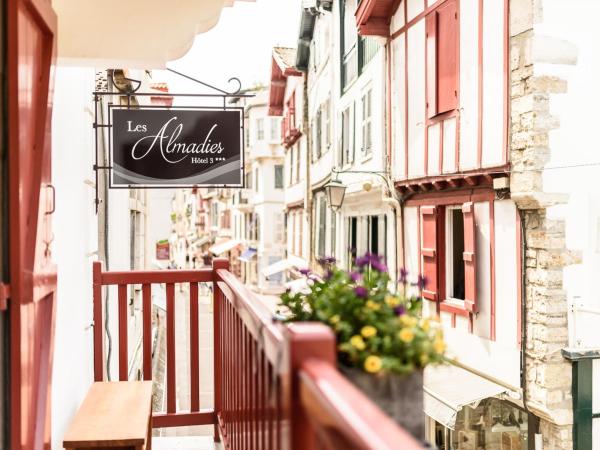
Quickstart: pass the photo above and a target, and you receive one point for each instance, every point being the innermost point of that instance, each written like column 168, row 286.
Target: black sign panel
column 176, row 147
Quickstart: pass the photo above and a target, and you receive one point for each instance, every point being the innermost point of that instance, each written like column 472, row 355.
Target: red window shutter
column 469, row 257
column 447, row 56
column 431, row 75
column 429, row 251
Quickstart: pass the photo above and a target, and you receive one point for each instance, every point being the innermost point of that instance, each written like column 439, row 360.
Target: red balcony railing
column 275, row 386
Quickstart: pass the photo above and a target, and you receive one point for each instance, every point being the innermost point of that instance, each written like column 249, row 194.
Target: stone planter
column 400, row 397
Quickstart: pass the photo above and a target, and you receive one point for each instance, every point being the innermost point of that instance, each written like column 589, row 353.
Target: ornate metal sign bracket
column 129, row 92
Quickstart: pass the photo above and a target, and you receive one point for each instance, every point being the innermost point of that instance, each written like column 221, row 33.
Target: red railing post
column 98, row 347
column 306, row 341
column 218, row 263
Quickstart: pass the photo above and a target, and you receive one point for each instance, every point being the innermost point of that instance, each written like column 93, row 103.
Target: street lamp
column 335, row 193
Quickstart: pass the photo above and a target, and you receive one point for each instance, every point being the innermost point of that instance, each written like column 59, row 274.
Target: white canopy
column 449, row 388
column 285, row 264
column 133, row 33
column 223, row 247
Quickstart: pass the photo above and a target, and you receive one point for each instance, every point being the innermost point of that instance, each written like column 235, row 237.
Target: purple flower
column 328, row 275
column 327, row 260
column 421, row 282
column 399, row 310
column 362, row 261
column 361, row 292
column 379, row 266
column 313, row 277
column 355, row 276
column 403, row 276
column 304, row 272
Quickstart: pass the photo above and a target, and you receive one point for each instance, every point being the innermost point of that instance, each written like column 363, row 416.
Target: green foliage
column 377, row 329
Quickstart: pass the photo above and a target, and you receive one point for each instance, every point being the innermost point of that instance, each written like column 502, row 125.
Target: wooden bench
column 115, row 415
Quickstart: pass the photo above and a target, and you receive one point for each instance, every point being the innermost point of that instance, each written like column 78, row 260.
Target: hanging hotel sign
column 176, row 147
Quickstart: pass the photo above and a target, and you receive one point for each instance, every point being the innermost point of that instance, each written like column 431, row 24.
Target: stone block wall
column 547, row 373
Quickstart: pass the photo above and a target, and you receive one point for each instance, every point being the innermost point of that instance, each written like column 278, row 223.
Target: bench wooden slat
column 112, row 414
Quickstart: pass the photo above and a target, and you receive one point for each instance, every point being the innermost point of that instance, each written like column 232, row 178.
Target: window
column 274, row 129
column 442, row 59
column 260, row 129
column 321, row 216
column 355, row 51
column 297, row 164
column 367, row 234
column 278, row 176
column 366, row 123
column 455, row 246
column 347, row 137
column 449, row 263
column 256, row 181
column 316, row 135
column 326, row 125
column 249, row 179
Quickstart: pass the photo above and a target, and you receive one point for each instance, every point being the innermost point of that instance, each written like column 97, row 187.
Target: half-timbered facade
column 447, row 116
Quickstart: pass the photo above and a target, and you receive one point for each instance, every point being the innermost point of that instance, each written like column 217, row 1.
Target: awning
column 284, row 264
column 248, row 254
column 114, row 33
column 223, row 247
column 200, row 242
column 298, row 285
column 449, row 388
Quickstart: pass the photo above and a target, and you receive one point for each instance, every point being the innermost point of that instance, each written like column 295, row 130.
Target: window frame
column 366, row 101
column 437, row 250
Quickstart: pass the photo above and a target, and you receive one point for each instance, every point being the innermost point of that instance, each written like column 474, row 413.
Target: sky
column 238, row 46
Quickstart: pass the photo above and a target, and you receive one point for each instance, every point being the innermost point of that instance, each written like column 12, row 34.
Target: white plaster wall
column 493, row 82
column 398, row 111
column 481, row 323
column 75, row 240
column 567, row 47
column 414, row 8
column 469, row 13
column 506, row 270
column 416, row 99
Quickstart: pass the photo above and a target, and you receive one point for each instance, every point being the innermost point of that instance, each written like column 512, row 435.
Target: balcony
column 275, row 386
column 289, row 129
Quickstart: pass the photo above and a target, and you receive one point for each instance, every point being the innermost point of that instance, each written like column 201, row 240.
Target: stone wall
column 548, row 374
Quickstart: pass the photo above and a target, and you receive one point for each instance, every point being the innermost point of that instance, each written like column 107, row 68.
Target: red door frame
column 31, row 51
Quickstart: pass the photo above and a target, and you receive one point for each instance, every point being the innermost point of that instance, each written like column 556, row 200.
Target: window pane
column 458, row 247
column 278, row 176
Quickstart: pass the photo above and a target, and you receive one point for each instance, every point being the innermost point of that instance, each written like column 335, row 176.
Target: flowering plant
column 377, row 329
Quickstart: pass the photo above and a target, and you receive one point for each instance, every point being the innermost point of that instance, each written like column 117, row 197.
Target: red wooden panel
column 123, row 359
column 447, row 56
column 429, row 251
column 30, row 41
column 431, row 64
column 147, row 330
column 157, row 276
column 171, row 380
column 469, row 257
column 194, row 349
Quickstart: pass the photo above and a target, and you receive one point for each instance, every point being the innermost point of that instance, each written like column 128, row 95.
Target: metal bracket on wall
column 130, row 92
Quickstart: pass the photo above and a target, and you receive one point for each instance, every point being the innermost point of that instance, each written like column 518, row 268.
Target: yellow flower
column 406, row 335
column 424, row 360
column 425, row 325
column 373, row 305
column 357, row 342
column 392, row 301
column 408, row 321
column 439, row 346
column 334, row 319
column 373, row 364
column 368, row 331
